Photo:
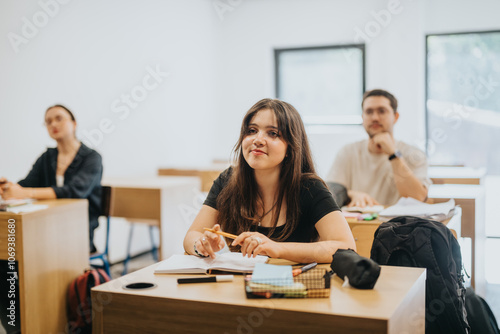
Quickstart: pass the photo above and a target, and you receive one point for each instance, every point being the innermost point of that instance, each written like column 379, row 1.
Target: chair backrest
column 106, row 201
column 339, row 193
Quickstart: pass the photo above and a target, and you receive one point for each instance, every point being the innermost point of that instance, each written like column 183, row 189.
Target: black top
column 82, row 178
column 316, row 201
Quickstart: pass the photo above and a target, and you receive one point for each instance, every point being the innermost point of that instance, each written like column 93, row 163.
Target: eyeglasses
column 57, row 119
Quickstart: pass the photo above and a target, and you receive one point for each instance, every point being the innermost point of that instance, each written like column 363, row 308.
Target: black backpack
column 417, row 242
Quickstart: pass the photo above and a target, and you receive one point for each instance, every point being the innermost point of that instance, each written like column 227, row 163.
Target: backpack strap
column 103, row 277
column 80, row 286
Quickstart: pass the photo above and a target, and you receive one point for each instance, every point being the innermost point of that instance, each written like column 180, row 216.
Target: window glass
column 325, row 84
column 463, row 99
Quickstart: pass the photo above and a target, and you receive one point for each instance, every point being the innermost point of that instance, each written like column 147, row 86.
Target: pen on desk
column 210, row 279
column 224, row 234
column 305, row 268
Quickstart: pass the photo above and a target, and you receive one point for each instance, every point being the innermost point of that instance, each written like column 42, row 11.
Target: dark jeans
column 9, row 298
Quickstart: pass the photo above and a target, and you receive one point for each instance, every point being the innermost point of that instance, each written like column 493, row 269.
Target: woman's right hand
column 209, row 243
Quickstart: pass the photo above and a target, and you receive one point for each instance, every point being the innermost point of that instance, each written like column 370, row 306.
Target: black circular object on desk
column 139, row 286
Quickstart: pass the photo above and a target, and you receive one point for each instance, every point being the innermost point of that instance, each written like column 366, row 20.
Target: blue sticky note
column 272, row 274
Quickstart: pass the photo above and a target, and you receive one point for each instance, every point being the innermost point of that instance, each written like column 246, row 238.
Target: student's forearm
column 189, row 240
column 15, row 191
column 320, row 252
column 40, row 193
column 407, row 183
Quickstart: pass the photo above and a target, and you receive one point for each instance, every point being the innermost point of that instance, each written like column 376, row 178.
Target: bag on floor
column 479, row 315
column 79, row 303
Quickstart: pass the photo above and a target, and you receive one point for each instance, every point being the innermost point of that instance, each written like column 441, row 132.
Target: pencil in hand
column 224, row 234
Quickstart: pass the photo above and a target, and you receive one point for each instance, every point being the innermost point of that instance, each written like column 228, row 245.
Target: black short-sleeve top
column 316, row 201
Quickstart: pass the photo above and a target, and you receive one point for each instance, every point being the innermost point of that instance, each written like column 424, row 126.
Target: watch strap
column 395, row 155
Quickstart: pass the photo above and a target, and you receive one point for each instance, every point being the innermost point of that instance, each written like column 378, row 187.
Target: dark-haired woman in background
column 71, row 170
column 272, row 198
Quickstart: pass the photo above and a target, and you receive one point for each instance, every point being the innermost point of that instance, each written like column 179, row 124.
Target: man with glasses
column 380, row 169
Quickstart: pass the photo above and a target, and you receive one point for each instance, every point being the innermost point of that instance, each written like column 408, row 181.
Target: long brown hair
column 237, row 202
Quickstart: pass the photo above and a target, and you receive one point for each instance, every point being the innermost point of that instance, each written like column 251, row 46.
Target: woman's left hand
column 254, row 243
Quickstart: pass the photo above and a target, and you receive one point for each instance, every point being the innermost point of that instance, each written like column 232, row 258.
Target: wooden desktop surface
column 456, row 175
column 206, row 175
column 395, row 305
column 52, row 249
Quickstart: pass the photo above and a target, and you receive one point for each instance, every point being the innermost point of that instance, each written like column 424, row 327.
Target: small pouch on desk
column 361, row 271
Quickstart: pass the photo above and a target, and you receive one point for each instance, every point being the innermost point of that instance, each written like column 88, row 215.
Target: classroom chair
column 105, row 211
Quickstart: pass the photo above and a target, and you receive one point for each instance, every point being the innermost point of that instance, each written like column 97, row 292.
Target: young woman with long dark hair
column 271, row 198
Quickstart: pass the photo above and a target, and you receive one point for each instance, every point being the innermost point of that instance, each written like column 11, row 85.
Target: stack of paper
column 407, row 206
column 20, row 205
column 27, row 208
column 272, row 281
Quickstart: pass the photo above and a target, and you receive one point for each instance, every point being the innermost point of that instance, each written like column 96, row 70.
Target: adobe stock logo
column 223, row 6
column 381, row 19
column 30, row 28
column 123, row 105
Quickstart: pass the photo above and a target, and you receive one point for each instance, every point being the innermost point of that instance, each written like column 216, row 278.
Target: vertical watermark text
column 12, row 273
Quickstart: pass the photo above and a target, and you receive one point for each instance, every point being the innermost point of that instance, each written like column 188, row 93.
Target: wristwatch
column 396, row 154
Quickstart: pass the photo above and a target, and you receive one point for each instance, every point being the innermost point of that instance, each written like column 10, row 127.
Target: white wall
column 247, row 36
column 445, row 16
column 90, row 53
column 219, row 60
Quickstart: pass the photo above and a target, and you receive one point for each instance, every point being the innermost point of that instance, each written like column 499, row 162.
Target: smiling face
column 263, row 146
column 378, row 115
column 59, row 123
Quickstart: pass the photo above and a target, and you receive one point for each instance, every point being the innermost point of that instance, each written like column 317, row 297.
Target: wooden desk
column 206, row 175
column 52, row 249
column 168, row 202
column 395, row 305
column 456, row 175
column 471, row 199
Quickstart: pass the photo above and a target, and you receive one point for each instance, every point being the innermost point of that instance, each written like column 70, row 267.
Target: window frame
column 341, row 119
column 426, row 98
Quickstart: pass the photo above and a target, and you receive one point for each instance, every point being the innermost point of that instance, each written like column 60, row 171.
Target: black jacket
column 82, row 178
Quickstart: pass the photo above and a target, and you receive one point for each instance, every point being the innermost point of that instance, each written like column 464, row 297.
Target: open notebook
column 191, row 264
